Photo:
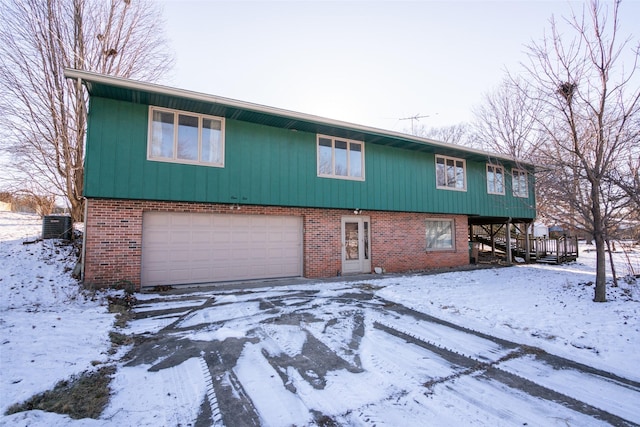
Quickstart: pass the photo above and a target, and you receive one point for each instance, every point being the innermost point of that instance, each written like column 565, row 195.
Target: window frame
column 515, row 183
column 333, row 140
column 452, row 227
column 176, row 117
column 464, row 171
column 495, row 167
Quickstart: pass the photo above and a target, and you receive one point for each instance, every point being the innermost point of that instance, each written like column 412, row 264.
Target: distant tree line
column 25, row 201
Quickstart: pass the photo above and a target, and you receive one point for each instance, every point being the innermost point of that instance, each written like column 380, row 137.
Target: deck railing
column 555, row 250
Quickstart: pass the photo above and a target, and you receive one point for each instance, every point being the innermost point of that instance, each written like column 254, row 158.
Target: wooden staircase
column 558, row 250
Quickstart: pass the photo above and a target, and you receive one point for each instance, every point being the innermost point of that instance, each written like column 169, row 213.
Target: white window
column 340, row 158
column 450, row 173
column 440, row 234
column 520, row 183
column 495, row 179
column 183, row 137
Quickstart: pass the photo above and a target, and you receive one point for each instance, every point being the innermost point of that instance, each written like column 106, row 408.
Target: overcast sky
column 371, row 63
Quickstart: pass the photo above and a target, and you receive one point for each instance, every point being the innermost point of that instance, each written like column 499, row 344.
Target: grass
column 83, row 396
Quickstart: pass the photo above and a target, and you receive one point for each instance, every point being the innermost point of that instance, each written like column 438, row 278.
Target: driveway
column 334, row 354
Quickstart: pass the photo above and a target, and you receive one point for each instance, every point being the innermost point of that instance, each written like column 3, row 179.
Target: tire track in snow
column 490, row 371
column 216, row 415
column 479, row 360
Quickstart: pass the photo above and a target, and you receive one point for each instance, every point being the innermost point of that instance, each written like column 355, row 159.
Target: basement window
column 184, row 137
column 340, row 158
column 440, row 233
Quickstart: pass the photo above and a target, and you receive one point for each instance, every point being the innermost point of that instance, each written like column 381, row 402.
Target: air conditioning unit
column 57, row 227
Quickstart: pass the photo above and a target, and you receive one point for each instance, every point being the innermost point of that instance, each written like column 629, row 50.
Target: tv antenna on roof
column 414, row 119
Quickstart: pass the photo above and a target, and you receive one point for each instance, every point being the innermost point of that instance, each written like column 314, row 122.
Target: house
column 184, row 188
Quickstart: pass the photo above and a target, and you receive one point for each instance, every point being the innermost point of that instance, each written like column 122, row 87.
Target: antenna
column 415, row 119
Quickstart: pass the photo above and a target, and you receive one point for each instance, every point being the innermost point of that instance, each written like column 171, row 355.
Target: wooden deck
column 557, row 250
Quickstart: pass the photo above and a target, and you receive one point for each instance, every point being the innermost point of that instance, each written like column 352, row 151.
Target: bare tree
column 42, row 114
column 589, row 104
column 505, row 122
column 626, row 175
column 458, row 134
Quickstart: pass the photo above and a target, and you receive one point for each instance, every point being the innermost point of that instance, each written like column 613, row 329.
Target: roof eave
column 124, row 83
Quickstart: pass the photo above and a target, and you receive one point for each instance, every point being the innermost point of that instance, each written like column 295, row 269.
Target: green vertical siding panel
column 295, row 187
column 188, row 184
column 137, row 159
column 476, row 186
column 112, row 162
column 107, row 153
column 273, row 166
column 199, row 185
column 150, row 181
column 91, row 160
column 123, row 154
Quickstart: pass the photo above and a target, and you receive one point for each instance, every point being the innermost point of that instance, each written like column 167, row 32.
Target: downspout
column 84, row 240
column 81, row 110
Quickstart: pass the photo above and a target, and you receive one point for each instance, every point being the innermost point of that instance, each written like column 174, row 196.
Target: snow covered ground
column 388, row 365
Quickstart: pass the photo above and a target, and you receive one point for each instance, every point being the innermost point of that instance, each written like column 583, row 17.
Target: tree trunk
column 598, row 234
column 611, row 263
column 77, row 210
column 43, row 112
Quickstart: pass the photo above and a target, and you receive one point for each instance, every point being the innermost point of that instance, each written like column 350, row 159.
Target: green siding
column 274, row 166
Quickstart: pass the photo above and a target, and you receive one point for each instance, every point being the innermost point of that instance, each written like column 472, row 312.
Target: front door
column 356, row 245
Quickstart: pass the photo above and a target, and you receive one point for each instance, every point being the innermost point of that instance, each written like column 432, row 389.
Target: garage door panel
column 198, row 248
column 200, row 220
column 179, row 275
column 200, row 257
column 202, row 238
column 156, row 276
column 241, row 236
column 222, row 236
column 259, row 236
column 198, row 274
column 180, row 257
column 180, row 236
column 158, row 236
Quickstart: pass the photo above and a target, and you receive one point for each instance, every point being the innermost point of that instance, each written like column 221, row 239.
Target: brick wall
column 398, row 242
column 113, row 246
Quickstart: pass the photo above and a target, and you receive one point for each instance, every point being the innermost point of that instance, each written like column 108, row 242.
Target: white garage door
column 183, row 248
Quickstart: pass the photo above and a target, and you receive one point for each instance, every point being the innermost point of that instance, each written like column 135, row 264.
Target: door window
column 351, row 240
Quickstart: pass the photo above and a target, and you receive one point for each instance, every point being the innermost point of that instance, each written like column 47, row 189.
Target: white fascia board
column 89, row 76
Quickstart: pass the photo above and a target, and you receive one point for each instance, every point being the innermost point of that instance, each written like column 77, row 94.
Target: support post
column 508, row 242
column 493, row 241
column 527, row 243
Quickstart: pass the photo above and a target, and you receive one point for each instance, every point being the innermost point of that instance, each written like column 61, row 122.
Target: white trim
column 491, row 165
column 363, row 263
column 89, row 76
column 174, row 158
column 333, row 140
column 464, row 168
column 84, row 238
column 520, row 172
column 452, row 221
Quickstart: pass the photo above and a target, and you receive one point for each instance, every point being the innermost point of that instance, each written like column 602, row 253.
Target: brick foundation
column 113, row 245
